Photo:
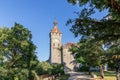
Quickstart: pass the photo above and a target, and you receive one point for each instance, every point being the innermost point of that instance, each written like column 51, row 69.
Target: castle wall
column 68, row 60
column 58, row 53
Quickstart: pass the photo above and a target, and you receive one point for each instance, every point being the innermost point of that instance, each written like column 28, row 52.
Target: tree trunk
column 117, row 73
column 101, row 72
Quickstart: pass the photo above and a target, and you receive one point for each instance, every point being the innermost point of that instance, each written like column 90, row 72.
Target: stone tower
column 55, row 44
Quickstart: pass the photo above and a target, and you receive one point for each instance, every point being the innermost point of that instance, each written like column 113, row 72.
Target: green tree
column 57, row 69
column 90, row 53
column 105, row 30
column 44, row 68
column 18, row 52
column 113, row 56
column 3, row 49
column 3, row 35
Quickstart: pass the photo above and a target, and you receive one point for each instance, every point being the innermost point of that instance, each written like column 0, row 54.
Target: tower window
column 53, row 44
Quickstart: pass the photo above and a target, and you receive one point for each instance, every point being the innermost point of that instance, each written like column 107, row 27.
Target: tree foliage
column 106, row 30
column 47, row 68
column 89, row 53
column 17, row 53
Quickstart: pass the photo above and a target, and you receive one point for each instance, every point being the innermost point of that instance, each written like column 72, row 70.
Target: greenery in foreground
column 49, row 69
column 105, row 32
column 17, row 53
column 18, row 60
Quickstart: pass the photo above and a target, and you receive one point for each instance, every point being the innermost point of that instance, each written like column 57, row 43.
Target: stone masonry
column 59, row 53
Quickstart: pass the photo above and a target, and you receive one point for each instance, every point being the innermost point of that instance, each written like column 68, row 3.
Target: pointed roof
column 55, row 28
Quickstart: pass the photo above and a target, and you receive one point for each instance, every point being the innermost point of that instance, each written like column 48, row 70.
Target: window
column 53, row 44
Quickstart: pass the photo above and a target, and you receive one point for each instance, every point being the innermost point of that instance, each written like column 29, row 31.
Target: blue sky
column 38, row 17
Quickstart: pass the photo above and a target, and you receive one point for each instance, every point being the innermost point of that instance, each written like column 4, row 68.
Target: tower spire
column 55, row 23
column 55, row 28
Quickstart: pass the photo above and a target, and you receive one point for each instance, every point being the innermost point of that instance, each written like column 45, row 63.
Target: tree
column 44, row 68
column 18, row 52
column 57, row 69
column 114, row 56
column 3, row 35
column 90, row 53
column 105, row 30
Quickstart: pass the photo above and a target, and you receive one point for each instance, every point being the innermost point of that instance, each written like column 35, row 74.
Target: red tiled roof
column 68, row 45
column 55, row 28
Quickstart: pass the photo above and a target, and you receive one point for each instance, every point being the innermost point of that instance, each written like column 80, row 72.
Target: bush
column 57, row 69
column 84, row 68
column 51, row 69
column 43, row 68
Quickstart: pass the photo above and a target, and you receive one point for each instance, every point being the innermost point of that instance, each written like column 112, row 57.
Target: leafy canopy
column 105, row 29
column 17, row 53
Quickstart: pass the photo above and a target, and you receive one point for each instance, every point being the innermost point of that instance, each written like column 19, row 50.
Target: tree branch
column 114, row 4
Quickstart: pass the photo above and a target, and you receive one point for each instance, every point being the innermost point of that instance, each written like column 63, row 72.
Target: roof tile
column 55, row 28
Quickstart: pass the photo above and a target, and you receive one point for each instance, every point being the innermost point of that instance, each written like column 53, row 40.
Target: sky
column 38, row 17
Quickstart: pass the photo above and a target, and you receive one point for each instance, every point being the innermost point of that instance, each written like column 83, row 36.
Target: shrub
column 51, row 69
column 57, row 69
column 84, row 68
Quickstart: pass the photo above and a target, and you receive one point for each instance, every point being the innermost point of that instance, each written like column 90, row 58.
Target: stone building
column 59, row 53
column 68, row 58
column 55, row 44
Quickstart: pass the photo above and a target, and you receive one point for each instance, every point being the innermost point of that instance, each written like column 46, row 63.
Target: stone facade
column 55, row 44
column 60, row 53
column 68, row 58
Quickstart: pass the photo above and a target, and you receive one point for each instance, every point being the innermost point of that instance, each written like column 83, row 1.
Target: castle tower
column 55, row 44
